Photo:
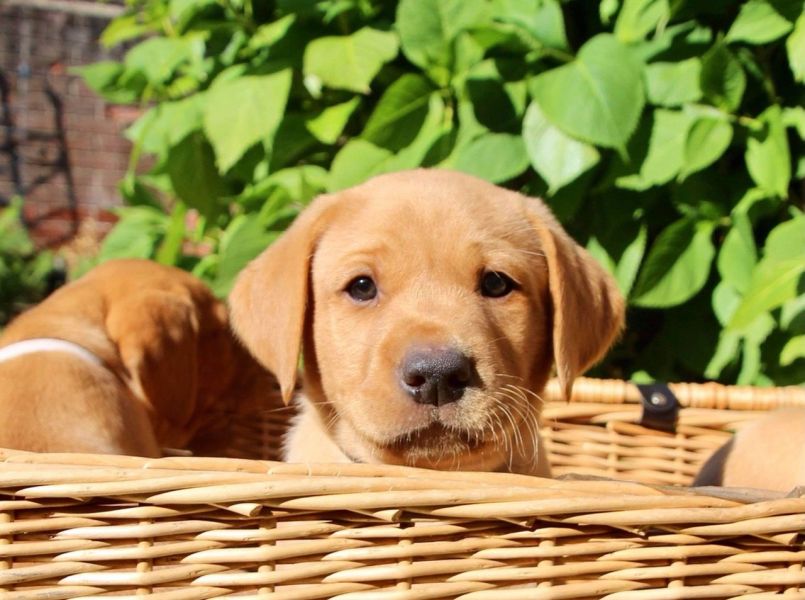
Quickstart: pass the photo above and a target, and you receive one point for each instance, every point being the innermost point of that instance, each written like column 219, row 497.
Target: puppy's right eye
column 362, row 289
column 496, row 285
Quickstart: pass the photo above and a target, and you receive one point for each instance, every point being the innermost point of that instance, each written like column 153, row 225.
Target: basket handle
column 690, row 395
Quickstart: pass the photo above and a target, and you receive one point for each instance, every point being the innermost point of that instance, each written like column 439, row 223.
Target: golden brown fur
column 171, row 365
column 766, row 454
column 425, row 237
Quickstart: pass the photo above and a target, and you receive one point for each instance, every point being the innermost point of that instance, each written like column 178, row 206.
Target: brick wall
column 60, row 144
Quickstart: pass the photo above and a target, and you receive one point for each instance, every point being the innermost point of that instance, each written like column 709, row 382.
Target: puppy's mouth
column 441, row 446
column 485, row 434
column 436, row 436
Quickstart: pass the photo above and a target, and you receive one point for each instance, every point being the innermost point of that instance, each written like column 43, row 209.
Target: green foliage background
column 667, row 135
column 23, row 270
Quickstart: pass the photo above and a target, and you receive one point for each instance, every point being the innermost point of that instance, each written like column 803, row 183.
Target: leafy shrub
column 23, row 271
column 667, row 136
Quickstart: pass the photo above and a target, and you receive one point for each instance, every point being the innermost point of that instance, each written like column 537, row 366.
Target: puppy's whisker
column 527, row 411
column 515, row 432
column 518, row 378
column 527, row 414
column 532, row 393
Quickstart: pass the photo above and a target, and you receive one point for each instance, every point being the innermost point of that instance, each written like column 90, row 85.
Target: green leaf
column 121, row 29
column 400, row 112
column 629, row 264
column 242, row 111
column 795, row 45
column 722, row 78
column 758, row 22
column 328, row 125
column 792, row 315
column 598, row 98
column 467, row 52
column 677, row 265
column 170, row 249
column 167, row 124
column 777, row 277
column 727, row 351
column 625, row 266
column 638, row 18
column 183, row 11
column 193, row 177
column 674, row 83
column 158, row 58
column 100, row 75
column 14, row 239
column 244, row 239
column 725, row 301
column 104, row 79
column 435, row 129
column 793, row 350
column 738, row 254
column 136, row 233
column 496, row 157
column 665, row 155
column 427, row 28
column 298, row 184
column 774, row 282
column 498, row 104
column 541, row 19
column 786, row 240
column 768, row 158
column 707, row 140
column 269, row 34
column 558, row 158
column 292, row 141
column 754, row 336
column 350, row 62
column 795, row 117
column 356, row 162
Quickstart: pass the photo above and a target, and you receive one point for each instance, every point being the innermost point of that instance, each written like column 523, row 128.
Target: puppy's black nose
column 435, row 376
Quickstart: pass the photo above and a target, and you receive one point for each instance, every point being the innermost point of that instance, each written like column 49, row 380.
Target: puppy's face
column 427, row 302
column 429, row 324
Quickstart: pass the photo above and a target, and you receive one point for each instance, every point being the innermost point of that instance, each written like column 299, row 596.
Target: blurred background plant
column 666, row 135
column 26, row 276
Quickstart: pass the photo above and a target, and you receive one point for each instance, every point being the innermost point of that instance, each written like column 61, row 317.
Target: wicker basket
column 185, row 528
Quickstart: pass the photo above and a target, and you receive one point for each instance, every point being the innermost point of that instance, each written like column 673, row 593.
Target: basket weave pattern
column 191, row 528
column 598, row 434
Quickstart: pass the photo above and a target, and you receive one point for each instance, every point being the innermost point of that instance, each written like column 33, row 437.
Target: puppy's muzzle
column 436, row 376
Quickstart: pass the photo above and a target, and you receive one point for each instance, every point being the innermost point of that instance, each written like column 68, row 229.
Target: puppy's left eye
column 362, row 289
column 494, row 284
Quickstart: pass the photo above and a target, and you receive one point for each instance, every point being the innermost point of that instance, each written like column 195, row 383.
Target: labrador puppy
column 129, row 359
column 429, row 307
column 767, row 454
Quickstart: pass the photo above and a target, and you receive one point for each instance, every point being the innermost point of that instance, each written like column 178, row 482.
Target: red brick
column 98, row 152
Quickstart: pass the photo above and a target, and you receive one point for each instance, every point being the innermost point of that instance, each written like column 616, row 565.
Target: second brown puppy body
column 164, row 365
column 430, row 307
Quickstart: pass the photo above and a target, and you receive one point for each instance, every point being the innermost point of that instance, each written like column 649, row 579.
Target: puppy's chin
column 439, row 442
column 441, row 447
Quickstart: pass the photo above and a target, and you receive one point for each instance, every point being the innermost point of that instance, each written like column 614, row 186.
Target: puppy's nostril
column 415, row 381
column 459, row 380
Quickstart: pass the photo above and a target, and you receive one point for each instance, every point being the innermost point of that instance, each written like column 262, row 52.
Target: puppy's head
column 429, row 306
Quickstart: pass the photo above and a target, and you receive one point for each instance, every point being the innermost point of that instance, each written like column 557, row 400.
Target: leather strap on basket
column 660, row 407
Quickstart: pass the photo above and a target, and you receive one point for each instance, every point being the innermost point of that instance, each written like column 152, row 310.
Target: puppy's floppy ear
column 156, row 333
column 588, row 309
column 269, row 300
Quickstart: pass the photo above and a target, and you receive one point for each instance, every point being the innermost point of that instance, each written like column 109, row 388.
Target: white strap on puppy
column 24, row 347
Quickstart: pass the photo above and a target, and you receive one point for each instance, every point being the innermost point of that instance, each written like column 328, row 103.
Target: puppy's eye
column 495, row 285
column 362, row 289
